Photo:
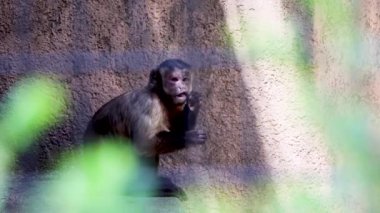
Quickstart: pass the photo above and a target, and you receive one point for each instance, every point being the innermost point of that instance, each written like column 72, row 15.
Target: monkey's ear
column 154, row 78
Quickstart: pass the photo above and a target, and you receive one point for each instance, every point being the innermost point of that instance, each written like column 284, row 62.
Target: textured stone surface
column 257, row 127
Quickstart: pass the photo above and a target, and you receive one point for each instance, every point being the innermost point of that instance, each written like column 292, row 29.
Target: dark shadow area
column 107, row 48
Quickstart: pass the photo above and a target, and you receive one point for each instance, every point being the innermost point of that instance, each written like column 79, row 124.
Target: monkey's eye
column 174, row 79
column 185, row 79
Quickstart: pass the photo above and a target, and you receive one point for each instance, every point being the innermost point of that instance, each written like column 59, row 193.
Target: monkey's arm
column 152, row 138
column 191, row 110
column 184, row 135
column 167, row 142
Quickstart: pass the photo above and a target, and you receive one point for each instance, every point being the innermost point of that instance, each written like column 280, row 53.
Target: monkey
column 159, row 118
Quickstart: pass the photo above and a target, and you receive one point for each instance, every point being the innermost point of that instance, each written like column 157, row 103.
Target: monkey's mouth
column 181, row 97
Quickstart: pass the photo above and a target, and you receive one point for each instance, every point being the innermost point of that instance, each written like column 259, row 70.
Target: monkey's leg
column 163, row 186
column 166, row 188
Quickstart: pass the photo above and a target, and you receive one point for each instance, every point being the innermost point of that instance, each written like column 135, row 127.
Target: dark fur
column 151, row 120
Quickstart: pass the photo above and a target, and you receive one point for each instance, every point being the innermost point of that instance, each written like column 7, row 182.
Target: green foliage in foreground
column 33, row 105
column 93, row 180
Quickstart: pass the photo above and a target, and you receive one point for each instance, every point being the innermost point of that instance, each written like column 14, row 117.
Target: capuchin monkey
column 159, row 118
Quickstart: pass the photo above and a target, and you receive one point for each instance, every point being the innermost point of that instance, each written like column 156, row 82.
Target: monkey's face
column 177, row 85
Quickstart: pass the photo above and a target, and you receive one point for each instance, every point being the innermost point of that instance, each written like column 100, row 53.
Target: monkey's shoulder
column 147, row 107
column 144, row 107
column 143, row 102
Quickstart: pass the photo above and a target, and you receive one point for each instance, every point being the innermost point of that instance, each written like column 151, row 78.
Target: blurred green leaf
column 98, row 179
column 33, row 105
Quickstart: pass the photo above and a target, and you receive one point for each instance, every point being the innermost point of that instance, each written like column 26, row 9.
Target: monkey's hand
column 194, row 137
column 194, row 101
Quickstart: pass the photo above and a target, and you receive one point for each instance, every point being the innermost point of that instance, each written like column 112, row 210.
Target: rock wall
column 99, row 49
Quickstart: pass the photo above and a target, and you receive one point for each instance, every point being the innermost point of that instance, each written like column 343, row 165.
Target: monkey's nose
column 181, row 90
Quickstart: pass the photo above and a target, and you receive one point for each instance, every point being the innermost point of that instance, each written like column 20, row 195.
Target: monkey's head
column 173, row 79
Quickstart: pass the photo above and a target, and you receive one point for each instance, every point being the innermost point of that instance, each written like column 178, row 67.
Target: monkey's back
column 128, row 116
